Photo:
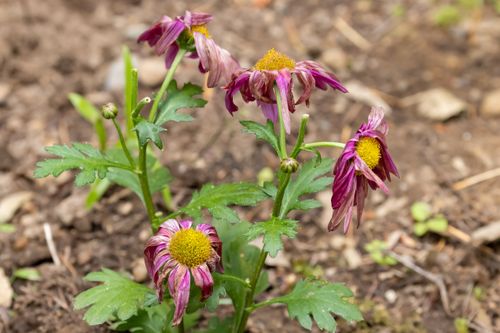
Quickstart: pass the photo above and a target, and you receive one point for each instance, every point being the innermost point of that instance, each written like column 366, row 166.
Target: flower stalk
column 165, row 84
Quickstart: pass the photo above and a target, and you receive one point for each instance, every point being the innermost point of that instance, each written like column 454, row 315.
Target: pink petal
column 179, row 282
column 203, row 279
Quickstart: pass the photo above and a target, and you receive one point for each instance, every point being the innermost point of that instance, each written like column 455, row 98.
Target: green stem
column 235, row 279
column 300, row 137
column 143, row 179
column 244, row 313
column 166, row 82
column 123, row 144
column 282, row 138
column 323, row 144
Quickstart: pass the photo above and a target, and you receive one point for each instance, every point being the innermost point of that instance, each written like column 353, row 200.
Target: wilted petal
column 169, row 36
column 270, row 111
column 283, row 81
column 179, row 282
column 203, row 279
column 171, row 54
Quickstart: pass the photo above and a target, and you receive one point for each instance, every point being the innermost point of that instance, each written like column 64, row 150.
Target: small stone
column 491, row 104
column 6, row 291
column 391, row 296
column 439, row 104
column 21, row 243
column 84, row 257
column 71, row 208
column 139, row 270
column 352, row 257
column 125, row 208
column 152, row 71
column 335, row 58
column 10, row 204
column 115, row 79
column 4, row 93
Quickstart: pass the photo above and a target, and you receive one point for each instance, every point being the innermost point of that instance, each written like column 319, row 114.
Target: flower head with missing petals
column 365, row 161
column 177, row 252
column 275, row 68
column 190, row 32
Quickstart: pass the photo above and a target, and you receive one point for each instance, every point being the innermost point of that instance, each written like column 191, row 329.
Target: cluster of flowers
column 177, row 251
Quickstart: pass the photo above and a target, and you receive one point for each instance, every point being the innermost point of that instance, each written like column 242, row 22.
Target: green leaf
column 420, row 228
column 319, row 299
column 239, row 259
column 224, row 213
column 27, row 273
column 149, row 320
column 7, row 228
column 131, row 87
column 218, row 325
column 85, row 108
column 218, row 291
column 272, row 231
column 214, row 197
column 177, row 99
column 90, row 161
column 147, row 131
column 437, row 224
column 116, row 296
column 90, row 113
column 97, row 190
column 376, row 249
column 420, row 211
column 308, row 180
column 263, row 132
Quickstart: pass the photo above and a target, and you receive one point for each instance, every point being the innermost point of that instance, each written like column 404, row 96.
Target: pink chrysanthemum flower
column 167, row 36
column 364, row 161
column 275, row 68
column 177, row 252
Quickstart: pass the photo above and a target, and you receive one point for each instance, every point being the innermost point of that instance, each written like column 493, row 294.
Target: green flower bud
column 109, row 111
column 289, row 165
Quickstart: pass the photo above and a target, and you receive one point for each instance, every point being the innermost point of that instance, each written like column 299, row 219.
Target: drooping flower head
column 190, row 31
column 364, row 161
column 275, row 68
column 177, row 252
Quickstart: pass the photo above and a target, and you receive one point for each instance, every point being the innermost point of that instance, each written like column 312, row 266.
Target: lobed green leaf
column 177, row 99
column 263, row 132
column 319, row 299
column 272, row 231
column 116, row 296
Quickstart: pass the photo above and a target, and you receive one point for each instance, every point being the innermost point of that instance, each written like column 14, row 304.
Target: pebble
column 391, row 296
column 115, row 79
column 125, row 208
column 71, row 208
column 439, row 104
column 491, row 104
column 6, row 292
column 139, row 270
column 352, row 257
column 4, row 93
column 10, row 204
column 152, row 71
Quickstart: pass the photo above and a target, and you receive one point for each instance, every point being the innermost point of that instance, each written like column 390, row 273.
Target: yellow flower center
column 369, row 150
column 190, row 247
column 202, row 29
column 274, row 60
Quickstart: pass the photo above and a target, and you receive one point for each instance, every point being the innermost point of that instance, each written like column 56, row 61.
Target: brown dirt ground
column 51, row 48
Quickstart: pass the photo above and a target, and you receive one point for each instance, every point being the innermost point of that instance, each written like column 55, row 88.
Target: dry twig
column 50, row 244
column 351, row 34
column 437, row 279
column 476, row 179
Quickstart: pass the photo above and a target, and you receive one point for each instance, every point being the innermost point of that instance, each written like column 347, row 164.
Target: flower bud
column 109, row 111
column 289, row 165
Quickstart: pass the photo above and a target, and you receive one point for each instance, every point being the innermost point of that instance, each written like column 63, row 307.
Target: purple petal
column 171, row 54
column 283, row 81
column 203, row 279
column 170, row 35
column 236, row 84
column 270, row 111
column 369, row 174
column 179, row 282
column 186, row 224
column 307, row 81
column 196, row 18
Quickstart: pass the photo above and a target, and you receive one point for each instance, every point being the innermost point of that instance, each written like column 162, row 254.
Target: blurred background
column 433, row 65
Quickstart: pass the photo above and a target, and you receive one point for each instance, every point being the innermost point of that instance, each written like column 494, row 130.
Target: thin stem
column 166, row 82
column 143, row 179
column 300, row 137
column 121, row 166
column 323, row 144
column 123, row 144
column 244, row 313
column 262, row 304
column 282, row 138
column 235, row 279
